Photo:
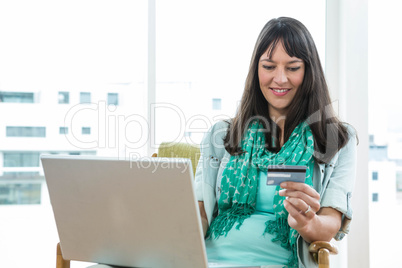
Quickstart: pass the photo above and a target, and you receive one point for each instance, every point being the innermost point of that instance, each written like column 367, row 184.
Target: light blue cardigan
column 333, row 181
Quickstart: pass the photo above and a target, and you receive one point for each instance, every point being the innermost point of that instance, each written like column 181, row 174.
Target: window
column 378, row 152
column 86, row 131
column 64, row 97
column 216, row 104
column 375, row 175
column 63, row 130
column 16, row 97
column 57, row 67
column 21, row 159
column 113, row 99
column 207, row 86
column 385, row 126
column 39, row 132
column 85, row 97
column 21, row 174
column 20, row 194
column 371, row 140
column 399, row 181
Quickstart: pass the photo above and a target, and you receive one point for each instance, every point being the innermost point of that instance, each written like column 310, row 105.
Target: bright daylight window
column 385, row 129
column 203, row 51
column 113, row 99
column 64, row 97
column 59, row 63
column 16, row 97
column 85, row 97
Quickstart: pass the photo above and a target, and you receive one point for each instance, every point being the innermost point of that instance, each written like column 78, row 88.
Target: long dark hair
column 311, row 102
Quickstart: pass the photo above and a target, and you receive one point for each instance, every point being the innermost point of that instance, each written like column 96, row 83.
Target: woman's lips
column 280, row 91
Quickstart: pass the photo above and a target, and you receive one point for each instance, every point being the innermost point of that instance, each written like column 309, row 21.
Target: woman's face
column 280, row 77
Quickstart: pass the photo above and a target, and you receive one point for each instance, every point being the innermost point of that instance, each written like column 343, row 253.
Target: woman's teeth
column 280, row 90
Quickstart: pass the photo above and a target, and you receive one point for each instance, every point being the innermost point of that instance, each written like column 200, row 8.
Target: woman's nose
column 280, row 77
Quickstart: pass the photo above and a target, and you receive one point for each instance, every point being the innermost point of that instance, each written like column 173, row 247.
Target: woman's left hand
column 306, row 215
column 302, row 202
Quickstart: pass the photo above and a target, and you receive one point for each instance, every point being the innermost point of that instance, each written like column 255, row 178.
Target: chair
column 180, row 150
column 319, row 249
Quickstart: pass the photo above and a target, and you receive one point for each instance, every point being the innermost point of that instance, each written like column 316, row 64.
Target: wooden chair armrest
column 321, row 251
column 60, row 262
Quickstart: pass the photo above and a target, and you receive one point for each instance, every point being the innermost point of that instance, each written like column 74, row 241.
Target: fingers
column 301, row 200
column 299, row 208
column 297, row 186
column 301, row 191
column 302, row 203
column 298, row 217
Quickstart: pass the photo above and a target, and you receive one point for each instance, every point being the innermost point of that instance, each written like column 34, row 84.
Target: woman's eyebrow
column 293, row 61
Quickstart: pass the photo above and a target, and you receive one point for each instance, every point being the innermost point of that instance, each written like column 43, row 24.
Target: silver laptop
column 140, row 213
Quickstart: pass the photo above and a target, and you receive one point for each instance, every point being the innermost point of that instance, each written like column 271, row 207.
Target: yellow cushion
column 181, row 150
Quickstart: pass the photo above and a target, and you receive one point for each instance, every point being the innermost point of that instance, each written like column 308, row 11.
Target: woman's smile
column 280, row 91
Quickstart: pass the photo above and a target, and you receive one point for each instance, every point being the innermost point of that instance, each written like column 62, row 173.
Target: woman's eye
column 293, row 69
column 268, row 67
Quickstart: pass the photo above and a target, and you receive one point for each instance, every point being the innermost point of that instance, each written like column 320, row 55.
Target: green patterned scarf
column 240, row 181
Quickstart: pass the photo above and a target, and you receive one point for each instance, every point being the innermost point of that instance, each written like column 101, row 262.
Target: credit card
column 277, row 174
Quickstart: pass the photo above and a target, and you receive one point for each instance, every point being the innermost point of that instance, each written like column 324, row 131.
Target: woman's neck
column 280, row 122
